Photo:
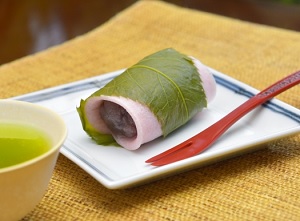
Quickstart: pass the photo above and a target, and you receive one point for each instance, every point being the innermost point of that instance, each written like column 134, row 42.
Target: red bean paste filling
column 117, row 119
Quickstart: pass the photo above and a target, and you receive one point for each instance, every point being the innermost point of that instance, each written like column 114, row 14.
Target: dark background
column 30, row 26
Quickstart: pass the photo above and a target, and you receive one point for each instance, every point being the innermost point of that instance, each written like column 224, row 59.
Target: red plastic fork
column 204, row 139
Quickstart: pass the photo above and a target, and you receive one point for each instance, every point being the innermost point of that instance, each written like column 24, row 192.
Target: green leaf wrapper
column 166, row 81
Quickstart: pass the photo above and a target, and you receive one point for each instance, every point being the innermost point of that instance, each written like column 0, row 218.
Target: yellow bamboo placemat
column 264, row 185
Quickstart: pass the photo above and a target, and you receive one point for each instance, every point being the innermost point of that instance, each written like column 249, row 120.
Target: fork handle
column 222, row 125
column 205, row 138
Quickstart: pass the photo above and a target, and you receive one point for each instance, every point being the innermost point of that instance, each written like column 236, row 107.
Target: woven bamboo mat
column 264, row 185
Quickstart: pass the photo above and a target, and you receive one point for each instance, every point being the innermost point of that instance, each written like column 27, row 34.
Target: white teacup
column 23, row 185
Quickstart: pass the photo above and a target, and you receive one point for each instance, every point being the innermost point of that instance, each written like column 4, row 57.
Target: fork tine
column 184, row 144
column 181, row 152
column 186, row 149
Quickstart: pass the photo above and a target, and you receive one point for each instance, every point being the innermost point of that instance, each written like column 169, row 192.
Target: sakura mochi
column 152, row 98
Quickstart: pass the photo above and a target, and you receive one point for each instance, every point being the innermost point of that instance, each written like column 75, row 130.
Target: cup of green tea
column 30, row 139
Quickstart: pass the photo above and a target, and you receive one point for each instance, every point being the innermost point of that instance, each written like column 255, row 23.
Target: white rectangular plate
column 116, row 167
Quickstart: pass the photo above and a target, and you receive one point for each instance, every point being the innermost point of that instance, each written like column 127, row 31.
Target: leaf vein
column 168, row 78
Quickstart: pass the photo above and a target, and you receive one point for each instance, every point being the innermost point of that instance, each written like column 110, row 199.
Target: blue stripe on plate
column 269, row 104
column 86, row 162
column 98, row 84
column 42, row 96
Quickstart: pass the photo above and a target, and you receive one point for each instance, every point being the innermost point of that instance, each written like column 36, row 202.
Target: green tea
column 19, row 143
